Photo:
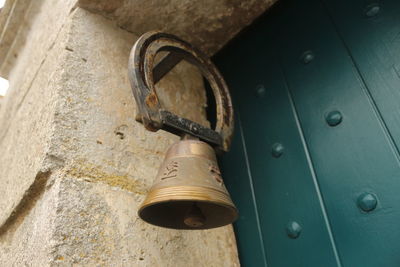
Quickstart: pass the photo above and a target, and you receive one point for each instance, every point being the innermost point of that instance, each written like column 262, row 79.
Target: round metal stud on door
column 188, row 192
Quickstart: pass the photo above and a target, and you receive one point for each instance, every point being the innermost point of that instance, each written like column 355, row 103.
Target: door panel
column 247, row 228
column 374, row 44
column 282, row 195
column 296, row 82
column 352, row 158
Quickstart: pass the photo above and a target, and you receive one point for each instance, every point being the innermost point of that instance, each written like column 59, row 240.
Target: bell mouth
column 188, row 214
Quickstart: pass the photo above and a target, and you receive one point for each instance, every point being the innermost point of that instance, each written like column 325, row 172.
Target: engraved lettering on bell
column 171, row 170
column 216, row 173
column 193, row 196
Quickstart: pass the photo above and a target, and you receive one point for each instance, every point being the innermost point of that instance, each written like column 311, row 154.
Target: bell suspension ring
column 188, row 192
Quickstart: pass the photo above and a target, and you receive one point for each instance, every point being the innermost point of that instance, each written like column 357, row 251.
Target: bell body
column 188, row 192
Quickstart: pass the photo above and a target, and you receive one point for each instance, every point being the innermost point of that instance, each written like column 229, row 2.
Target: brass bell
column 188, row 192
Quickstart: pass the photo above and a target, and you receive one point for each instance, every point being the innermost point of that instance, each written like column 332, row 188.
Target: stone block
column 75, row 164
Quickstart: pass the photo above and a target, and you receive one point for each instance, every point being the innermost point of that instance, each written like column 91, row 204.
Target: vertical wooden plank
column 352, row 158
column 370, row 30
column 237, row 177
column 284, row 188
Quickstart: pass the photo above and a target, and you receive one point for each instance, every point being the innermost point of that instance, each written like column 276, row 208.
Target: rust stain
column 81, row 168
column 60, row 258
column 151, row 100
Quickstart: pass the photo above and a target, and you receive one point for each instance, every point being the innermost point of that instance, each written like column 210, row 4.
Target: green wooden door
column 315, row 166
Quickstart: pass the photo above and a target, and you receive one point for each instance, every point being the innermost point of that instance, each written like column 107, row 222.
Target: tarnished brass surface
column 188, row 192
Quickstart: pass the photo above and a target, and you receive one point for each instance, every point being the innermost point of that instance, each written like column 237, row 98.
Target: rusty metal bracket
column 143, row 77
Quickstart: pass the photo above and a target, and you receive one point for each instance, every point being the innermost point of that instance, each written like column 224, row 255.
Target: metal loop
column 143, row 77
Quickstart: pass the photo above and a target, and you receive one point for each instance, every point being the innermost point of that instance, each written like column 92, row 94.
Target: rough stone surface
column 13, row 30
column 208, row 24
column 75, row 164
column 27, row 111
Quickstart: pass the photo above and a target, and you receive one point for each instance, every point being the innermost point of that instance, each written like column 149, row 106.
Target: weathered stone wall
column 29, row 178
column 208, row 24
column 74, row 164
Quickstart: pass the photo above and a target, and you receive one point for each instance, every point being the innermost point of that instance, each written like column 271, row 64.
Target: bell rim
column 175, row 193
column 232, row 208
column 187, row 196
column 225, row 205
